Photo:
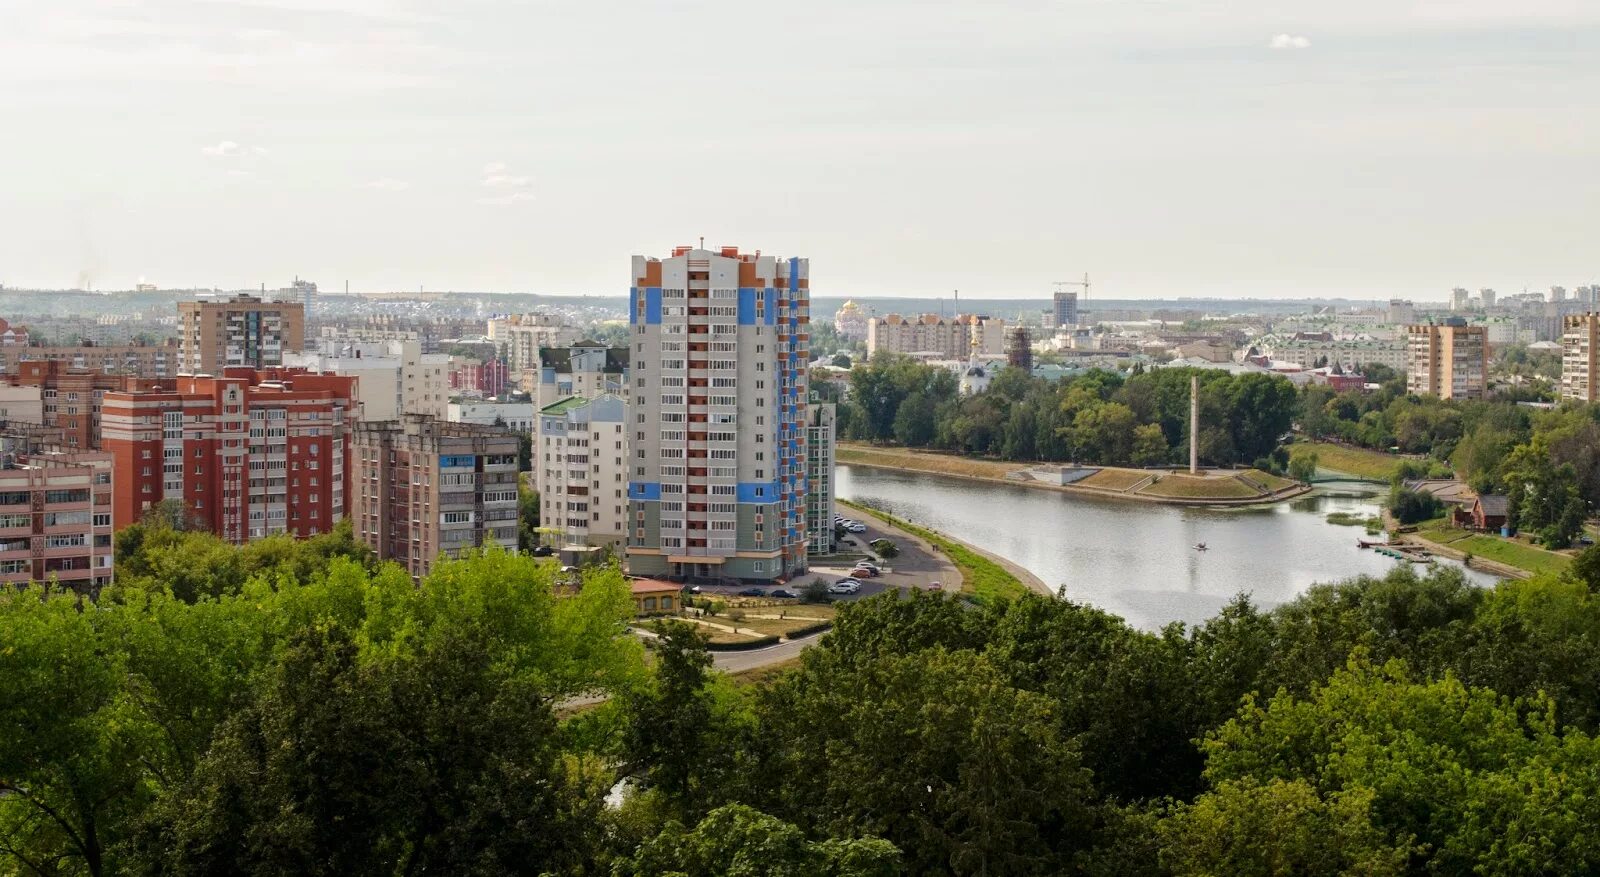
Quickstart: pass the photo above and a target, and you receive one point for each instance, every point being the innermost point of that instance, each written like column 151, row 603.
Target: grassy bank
column 924, row 461
column 1360, row 462
column 1511, row 552
column 981, row 577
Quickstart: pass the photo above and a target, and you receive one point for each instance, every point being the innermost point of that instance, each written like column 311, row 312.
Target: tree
column 841, row 360
column 1302, row 464
column 1150, row 445
column 914, row 422
column 885, row 548
column 737, row 839
column 527, row 516
column 1413, row 506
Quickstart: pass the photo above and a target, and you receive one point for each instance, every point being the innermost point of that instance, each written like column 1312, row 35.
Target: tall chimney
column 1194, row 425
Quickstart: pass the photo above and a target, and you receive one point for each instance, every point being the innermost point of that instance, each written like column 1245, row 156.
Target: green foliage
column 527, row 516
column 1413, row 506
column 1302, row 464
column 885, row 548
column 737, row 839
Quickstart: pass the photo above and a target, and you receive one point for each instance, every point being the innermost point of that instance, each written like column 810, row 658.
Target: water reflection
column 1136, row 559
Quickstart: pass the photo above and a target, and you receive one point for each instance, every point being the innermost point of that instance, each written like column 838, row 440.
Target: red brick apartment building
column 72, row 396
column 55, row 515
column 253, row 452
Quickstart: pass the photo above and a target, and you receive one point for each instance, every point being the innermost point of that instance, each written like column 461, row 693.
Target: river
column 1137, row 559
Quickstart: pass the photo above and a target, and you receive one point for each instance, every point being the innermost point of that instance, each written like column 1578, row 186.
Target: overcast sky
column 1189, row 147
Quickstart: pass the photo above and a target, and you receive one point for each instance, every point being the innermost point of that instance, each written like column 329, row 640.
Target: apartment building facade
column 522, row 336
column 55, row 514
column 1580, row 357
column 1448, row 360
column 718, row 412
column 242, row 331
column 426, row 487
column 392, row 377
column 821, row 433
column 72, row 399
column 586, row 369
column 139, row 360
column 252, row 452
column 955, row 337
column 580, row 469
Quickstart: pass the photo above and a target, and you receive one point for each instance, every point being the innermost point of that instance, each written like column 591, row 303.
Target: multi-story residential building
column 251, row 452
column 522, row 336
column 140, row 360
column 1580, row 357
column 22, row 404
column 214, row 335
column 950, row 337
column 586, row 369
column 820, row 435
column 1400, row 312
column 71, row 399
column 393, row 377
column 518, row 417
column 1449, row 360
column 13, row 336
column 55, row 513
column 1487, row 297
column 718, row 409
column 1066, row 309
column 580, row 469
column 480, row 379
column 424, row 487
column 1306, row 350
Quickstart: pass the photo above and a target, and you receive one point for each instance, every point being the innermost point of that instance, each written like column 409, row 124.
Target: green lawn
column 1190, row 487
column 981, row 577
column 1511, row 552
column 1359, row 462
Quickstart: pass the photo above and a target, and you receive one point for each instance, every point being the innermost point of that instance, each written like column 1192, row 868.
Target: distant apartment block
column 950, row 337
column 71, row 399
column 139, row 360
column 251, row 452
column 580, row 469
column 522, row 336
column 425, row 488
column 821, row 420
column 1400, row 312
column 1351, row 353
column 1065, row 311
column 392, row 377
column 55, row 514
column 13, row 336
column 1580, row 357
column 718, row 409
column 485, row 379
column 586, row 369
column 242, row 331
column 1450, row 361
column 518, row 417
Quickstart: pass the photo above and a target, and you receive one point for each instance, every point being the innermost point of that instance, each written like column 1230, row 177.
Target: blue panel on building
column 747, row 305
column 652, row 305
column 644, row 490
column 758, row 491
column 772, row 306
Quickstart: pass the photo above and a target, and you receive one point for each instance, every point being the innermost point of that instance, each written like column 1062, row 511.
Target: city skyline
column 1366, row 151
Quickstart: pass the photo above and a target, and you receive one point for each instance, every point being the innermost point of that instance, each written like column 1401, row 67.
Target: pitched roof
column 1494, row 504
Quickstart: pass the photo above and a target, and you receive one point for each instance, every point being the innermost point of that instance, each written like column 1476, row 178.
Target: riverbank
column 1243, row 487
column 1360, row 463
column 984, row 575
column 1506, row 557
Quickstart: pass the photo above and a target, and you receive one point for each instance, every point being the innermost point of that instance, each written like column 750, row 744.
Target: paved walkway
column 953, row 580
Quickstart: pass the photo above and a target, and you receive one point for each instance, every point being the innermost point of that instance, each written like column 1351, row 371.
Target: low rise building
column 140, row 360
column 514, row 416
column 580, row 470
column 425, row 488
column 392, row 377
column 950, row 337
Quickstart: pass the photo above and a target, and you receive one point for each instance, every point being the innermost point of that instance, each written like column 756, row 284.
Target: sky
column 1364, row 148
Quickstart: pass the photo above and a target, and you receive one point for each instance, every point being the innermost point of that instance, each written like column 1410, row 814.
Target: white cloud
column 231, row 149
column 1290, row 41
column 388, row 184
column 512, row 188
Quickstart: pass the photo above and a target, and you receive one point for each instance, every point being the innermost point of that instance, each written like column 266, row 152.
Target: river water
column 1137, row 559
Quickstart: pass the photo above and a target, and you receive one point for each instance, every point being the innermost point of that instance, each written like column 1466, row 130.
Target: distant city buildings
column 141, row 360
column 522, row 336
column 514, row 416
column 1450, row 361
column 425, row 488
column 13, row 336
column 239, row 331
column 250, row 452
column 1580, row 357
column 950, row 337
column 1400, row 313
column 718, row 407
column 71, row 400
column 1065, row 312
column 586, row 369
column 1310, row 350
column 580, row 469
column 393, row 377
column 488, row 378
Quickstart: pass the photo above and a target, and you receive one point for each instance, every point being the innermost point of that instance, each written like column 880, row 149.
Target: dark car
column 543, row 551
column 752, row 592
column 785, row 594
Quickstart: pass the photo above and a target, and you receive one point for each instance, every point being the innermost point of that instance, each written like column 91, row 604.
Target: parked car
column 752, row 592
column 862, row 572
column 867, row 564
column 692, row 589
column 784, row 594
column 848, row 581
column 856, row 527
column 845, row 587
column 543, row 551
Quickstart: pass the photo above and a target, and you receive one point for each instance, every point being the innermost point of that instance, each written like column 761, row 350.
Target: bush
column 1412, row 506
column 1302, row 465
column 885, row 548
column 815, row 591
column 736, row 615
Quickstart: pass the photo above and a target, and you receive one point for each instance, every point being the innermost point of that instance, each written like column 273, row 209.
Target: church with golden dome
column 850, row 322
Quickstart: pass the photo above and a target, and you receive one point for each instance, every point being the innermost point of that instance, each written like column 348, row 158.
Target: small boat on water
column 1200, row 546
column 1370, row 543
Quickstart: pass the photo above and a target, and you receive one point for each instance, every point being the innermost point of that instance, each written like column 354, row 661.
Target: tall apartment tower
column 252, row 453
column 1066, row 310
column 242, row 331
column 1580, row 357
column 821, row 422
column 1487, row 296
column 1450, row 361
column 426, row 487
column 717, row 483
column 580, row 469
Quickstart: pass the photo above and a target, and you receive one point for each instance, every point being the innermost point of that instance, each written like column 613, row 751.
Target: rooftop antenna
column 702, row 242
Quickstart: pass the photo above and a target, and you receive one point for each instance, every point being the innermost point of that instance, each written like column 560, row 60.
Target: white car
column 856, row 527
column 845, row 586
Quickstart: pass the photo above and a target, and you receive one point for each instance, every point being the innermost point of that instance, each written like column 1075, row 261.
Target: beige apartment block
column 1447, row 360
column 241, row 331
